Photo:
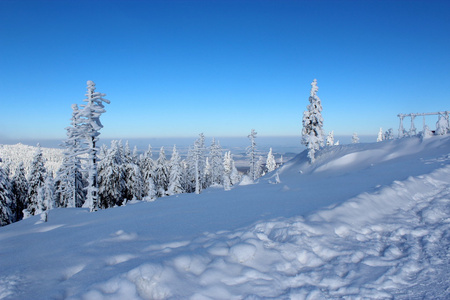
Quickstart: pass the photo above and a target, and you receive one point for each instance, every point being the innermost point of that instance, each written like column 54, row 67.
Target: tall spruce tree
column 312, row 133
column 90, row 125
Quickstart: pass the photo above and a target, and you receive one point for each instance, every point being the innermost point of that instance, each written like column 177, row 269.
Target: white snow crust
column 365, row 221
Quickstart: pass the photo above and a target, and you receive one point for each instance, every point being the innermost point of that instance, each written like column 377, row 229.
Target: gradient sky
column 221, row 67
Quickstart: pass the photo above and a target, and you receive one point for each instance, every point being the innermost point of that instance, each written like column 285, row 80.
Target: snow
column 363, row 221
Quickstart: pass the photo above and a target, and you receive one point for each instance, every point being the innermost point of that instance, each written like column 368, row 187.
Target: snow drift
column 364, row 221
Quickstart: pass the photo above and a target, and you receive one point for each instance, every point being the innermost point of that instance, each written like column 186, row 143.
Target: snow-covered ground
column 365, row 221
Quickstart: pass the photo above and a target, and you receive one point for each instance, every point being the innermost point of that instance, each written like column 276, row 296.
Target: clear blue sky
column 222, row 67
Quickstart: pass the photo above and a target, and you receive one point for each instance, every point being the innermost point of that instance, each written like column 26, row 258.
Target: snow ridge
column 397, row 250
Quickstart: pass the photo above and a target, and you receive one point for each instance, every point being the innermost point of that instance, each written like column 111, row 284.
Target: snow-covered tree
column 260, row 167
column 6, row 200
column 231, row 175
column 227, row 167
column 147, row 167
column 442, row 126
column 380, row 135
column 389, row 134
column 134, row 182
column 215, row 160
column 426, row 133
column 20, row 191
column 49, row 192
column 330, row 138
column 69, row 183
column 312, row 133
column 271, row 164
column 355, row 138
column 198, row 156
column 253, row 156
column 161, row 174
column 36, row 180
column 89, row 126
column 175, row 174
column 111, row 177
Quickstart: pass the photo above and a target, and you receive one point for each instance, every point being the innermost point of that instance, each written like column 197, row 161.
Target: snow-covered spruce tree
column 380, row 135
column 330, row 139
column 49, row 192
column 69, row 183
column 6, row 200
column 312, row 133
column 442, row 125
column 111, row 177
column 235, row 177
column 90, row 125
column 198, row 161
column 175, row 174
column 389, row 134
column 426, row 133
column 19, row 190
column 260, row 167
column 207, row 174
column 134, row 182
column 147, row 166
column 215, row 159
column 227, row 167
column 355, row 138
column 253, row 156
column 36, row 180
column 162, row 174
column 271, row 164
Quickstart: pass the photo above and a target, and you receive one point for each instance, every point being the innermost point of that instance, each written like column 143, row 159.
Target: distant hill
column 12, row 155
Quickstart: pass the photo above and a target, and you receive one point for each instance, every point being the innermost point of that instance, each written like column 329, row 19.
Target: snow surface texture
column 365, row 221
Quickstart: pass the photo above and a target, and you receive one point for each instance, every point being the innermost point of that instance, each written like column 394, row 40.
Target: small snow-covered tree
column 215, row 160
column 147, row 167
column 355, row 138
column 198, row 152
column 49, row 192
column 230, row 175
column 389, row 134
column 260, row 167
column 442, row 125
column 380, row 135
column 253, row 156
column 175, row 174
column 426, row 133
column 6, row 200
column 19, row 190
column 271, row 164
column 162, row 174
column 89, row 126
column 312, row 133
column 36, row 180
column 330, row 138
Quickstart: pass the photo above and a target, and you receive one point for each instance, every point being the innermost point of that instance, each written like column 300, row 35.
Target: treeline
column 122, row 175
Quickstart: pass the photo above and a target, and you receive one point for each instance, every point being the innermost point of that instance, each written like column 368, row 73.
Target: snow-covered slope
column 365, row 221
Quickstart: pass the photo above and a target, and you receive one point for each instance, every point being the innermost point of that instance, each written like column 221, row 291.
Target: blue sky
column 178, row 68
